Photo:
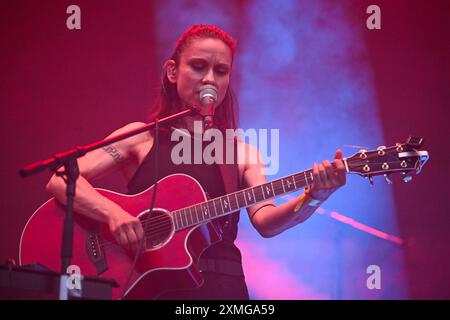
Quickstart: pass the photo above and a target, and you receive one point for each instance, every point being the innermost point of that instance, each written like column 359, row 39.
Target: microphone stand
column 70, row 175
column 68, row 159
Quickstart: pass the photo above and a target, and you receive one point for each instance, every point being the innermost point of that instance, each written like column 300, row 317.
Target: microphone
column 208, row 98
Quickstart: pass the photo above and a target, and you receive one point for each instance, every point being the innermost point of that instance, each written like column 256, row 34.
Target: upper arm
column 114, row 157
column 253, row 173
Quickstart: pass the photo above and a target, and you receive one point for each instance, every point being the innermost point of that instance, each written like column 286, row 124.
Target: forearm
column 271, row 221
column 87, row 201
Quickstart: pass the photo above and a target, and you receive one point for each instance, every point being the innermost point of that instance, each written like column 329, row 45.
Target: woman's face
column 203, row 61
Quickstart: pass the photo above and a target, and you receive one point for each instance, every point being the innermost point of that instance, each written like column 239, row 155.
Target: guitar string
column 277, row 188
column 164, row 218
column 165, row 222
column 162, row 224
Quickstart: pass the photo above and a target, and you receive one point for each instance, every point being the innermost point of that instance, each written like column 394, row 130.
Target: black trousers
column 217, row 286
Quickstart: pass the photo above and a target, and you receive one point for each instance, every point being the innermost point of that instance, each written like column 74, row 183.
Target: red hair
column 201, row 31
column 169, row 101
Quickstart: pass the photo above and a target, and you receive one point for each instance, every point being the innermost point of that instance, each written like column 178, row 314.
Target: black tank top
column 208, row 175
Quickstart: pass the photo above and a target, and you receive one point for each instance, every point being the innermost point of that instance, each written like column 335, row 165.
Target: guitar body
column 169, row 261
column 179, row 229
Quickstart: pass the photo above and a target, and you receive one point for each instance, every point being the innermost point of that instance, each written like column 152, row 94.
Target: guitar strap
column 231, row 181
column 230, row 172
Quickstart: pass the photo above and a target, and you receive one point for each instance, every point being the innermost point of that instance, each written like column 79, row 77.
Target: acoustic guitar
column 180, row 227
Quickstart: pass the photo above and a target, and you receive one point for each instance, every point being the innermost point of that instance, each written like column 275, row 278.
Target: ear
column 171, row 70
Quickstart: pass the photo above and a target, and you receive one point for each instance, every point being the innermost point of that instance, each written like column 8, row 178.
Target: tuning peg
column 370, row 180
column 388, row 179
column 406, row 178
column 381, row 151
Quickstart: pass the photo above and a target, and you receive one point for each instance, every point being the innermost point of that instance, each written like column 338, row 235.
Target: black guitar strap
column 232, row 183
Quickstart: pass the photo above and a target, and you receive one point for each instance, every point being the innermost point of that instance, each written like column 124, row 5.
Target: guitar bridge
column 96, row 253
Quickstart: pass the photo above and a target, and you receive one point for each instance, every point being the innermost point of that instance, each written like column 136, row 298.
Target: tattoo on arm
column 114, row 153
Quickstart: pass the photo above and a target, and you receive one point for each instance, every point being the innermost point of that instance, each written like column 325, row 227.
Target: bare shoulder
column 124, row 155
column 133, row 142
column 251, row 164
column 248, row 154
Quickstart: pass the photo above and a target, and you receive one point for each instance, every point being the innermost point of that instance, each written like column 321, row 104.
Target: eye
column 222, row 70
column 197, row 65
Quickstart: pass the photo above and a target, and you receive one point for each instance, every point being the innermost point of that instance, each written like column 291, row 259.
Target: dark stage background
column 61, row 88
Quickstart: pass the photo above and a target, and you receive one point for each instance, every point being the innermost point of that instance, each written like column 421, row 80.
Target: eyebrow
column 220, row 64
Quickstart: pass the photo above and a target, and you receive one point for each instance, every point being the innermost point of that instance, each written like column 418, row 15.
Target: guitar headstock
column 402, row 158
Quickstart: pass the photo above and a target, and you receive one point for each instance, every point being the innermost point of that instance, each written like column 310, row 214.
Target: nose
column 209, row 77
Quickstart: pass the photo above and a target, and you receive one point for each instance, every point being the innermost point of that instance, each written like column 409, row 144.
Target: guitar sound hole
column 158, row 228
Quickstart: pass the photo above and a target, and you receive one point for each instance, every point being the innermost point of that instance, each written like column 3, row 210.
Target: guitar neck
column 224, row 205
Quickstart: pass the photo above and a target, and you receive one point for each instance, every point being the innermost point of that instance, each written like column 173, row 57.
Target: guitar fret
column 199, row 216
column 280, row 190
column 299, row 178
column 259, row 196
column 267, row 192
column 188, row 210
column 187, row 218
column 237, row 201
column 210, row 210
column 276, row 186
column 306, row 179
column 218, row 205
column 229, row 203
column 242, row 203
column 205, row 212
column 194, row 213
column 174, row 217
column 245, row 198
column 289, row 184
column 207, row 209
column 233, row 203
column 198, row 212
column 177, row 219
column 192, row 217
column 282, row 184
column 273, row 192
column 215, row 209
column 181, row 219
column 181, row 214
column 221, row 204
column 248, row 196
column 225, row 204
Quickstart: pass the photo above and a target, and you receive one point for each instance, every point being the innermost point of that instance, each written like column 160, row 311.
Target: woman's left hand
column 328, row 177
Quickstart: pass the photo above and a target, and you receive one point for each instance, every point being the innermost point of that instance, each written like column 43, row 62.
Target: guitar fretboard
column 224, row 205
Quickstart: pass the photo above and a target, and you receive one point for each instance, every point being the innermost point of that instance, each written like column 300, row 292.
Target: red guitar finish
column 180, row 228
column 170, row 258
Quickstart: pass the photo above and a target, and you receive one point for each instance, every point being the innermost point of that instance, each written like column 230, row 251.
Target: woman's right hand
column 126, row 229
